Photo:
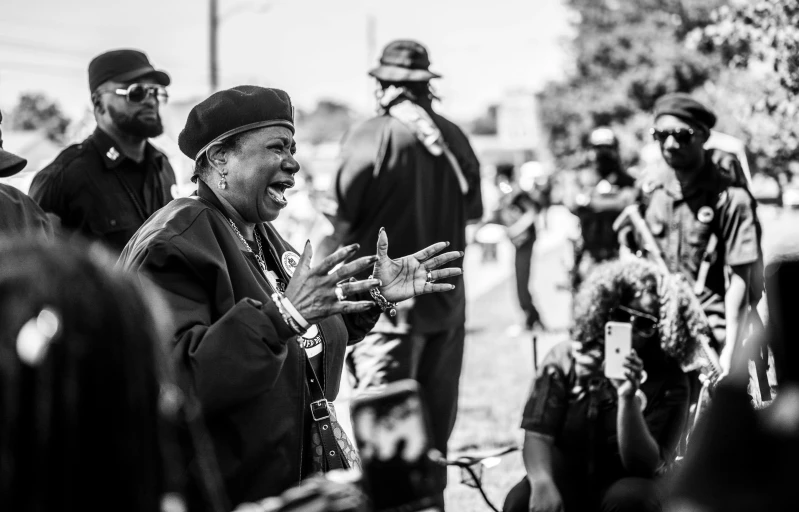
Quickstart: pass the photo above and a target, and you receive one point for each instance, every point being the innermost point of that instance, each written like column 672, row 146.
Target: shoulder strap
column 419, row 122
column 320, row 412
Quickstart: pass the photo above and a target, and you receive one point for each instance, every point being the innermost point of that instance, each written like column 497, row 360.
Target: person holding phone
column 596, row 443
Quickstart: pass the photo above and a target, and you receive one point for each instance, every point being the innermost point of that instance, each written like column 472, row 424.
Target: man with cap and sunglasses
column 414, row 173
column 704, row 218
column 603, row 190
column 105, row 187
column 19, row 214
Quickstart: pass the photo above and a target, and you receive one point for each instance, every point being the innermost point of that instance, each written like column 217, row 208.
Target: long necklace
column 259, row 256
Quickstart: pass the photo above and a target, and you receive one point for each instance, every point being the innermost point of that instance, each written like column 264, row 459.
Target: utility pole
column 213, row 19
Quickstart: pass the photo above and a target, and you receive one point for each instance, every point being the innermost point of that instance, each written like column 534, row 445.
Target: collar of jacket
column 112, row 156
column 274, row 242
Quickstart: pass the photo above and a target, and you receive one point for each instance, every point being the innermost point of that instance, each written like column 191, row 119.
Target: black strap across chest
column 320, row 412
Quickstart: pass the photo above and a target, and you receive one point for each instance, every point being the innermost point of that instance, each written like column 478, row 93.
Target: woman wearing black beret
column 260, row 331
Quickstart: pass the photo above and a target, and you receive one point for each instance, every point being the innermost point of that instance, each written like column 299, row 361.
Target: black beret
column 682, row 105
column 232, row 111
column 122, row 66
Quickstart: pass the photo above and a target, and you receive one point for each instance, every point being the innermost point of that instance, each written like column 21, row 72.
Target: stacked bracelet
column 382, row 302
column 290, row 315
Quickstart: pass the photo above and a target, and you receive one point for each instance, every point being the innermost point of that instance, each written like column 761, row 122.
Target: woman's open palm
column 413, row 275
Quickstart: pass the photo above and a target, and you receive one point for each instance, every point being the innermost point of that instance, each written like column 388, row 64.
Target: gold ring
column 429, row 277
column 339, row 292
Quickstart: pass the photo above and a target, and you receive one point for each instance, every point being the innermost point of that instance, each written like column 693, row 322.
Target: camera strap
column 320, row 412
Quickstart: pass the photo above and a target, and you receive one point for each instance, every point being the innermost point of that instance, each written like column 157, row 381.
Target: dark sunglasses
column 136, row 93
column 681, row 135
column 645, row 324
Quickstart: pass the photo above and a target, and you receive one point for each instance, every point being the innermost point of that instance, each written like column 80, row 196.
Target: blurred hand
column 406, row 277
column 587, row 361
column 312, row 291
column 545, row 497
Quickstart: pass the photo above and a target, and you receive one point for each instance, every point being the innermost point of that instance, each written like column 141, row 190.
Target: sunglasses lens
column 681, row 136
column 137, row 93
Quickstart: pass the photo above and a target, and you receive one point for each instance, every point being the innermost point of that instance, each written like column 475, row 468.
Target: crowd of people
column 178, row 354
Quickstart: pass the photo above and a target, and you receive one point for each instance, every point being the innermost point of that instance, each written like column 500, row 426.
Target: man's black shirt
column 100, row 193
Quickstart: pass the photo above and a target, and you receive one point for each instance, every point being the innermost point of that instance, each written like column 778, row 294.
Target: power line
column 35, row 46
column 41, row 69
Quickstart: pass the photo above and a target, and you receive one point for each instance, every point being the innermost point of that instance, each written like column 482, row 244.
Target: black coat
column 246, row 368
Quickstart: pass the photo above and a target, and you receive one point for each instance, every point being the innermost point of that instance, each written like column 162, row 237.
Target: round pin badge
column 290, row 260
column 705, row 215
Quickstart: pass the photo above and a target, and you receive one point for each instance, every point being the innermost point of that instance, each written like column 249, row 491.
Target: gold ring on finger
column 339, row 292
column 430, row 277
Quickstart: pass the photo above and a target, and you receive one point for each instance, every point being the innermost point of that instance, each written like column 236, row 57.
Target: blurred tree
column 328, row 122
column 627, row 54
column 761, row 39
column 486, row 124
column 35, row 111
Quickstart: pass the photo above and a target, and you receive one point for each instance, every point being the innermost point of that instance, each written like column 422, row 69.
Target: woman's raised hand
column 312, row 290
column 634, row 370
column 413, row 275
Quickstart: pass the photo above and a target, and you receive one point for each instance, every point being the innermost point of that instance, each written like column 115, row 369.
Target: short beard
column 132, row 125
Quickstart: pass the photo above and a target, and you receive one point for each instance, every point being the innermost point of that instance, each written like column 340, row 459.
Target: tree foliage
column 627, row 54
column 35, row 111
column 328, row 122
column 764, row 30
column 759, row 40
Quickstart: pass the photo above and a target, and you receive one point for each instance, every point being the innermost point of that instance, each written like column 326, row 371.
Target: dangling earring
column 223, row 182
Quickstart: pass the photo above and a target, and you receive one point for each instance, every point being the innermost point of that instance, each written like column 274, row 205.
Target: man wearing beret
column 105, row 187
column 414, row 173
column 19, row 214
column 704, row 218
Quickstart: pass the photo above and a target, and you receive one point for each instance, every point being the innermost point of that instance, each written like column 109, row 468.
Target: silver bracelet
column 301, row 321
column 382, row 302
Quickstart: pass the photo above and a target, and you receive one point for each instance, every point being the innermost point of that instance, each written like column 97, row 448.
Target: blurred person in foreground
column 260, row 332
column 518, row 211
column 603, row 190
column 80, row 378
column 19, row 214
column 106, row 187
column 702, row 214
column 413, row 172
column 592, row 443
column 744, row 460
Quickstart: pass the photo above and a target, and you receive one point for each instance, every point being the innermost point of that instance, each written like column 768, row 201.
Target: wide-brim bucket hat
column 404, row 61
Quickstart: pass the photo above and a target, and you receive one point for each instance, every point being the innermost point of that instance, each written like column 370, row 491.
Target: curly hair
column 616, row 283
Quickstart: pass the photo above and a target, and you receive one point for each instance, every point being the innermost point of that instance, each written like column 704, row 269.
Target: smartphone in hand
column 393, row 436
column 618, row 345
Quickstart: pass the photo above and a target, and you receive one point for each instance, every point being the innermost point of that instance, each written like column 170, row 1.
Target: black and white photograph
column 397, row 256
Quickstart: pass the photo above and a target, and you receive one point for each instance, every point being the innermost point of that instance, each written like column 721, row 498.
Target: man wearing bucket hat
column 704, row 218
column 19, row 214
column 105, row 187
column 414, row 173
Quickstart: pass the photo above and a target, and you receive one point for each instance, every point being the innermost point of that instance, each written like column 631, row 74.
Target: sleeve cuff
column 281, row 327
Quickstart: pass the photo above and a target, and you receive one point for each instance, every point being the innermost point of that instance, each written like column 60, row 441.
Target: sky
column 313, row 49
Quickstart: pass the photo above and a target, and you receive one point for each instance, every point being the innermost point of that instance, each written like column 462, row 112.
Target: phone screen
column 392, row 435
column 618, row 344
